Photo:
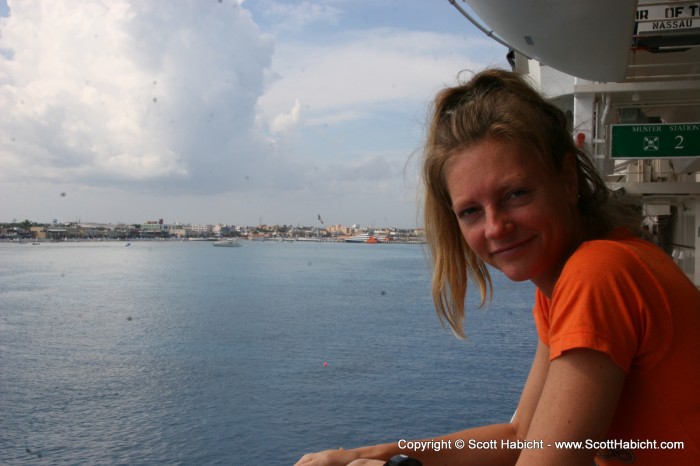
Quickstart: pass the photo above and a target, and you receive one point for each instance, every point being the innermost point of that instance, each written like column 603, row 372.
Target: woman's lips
column 510, row 248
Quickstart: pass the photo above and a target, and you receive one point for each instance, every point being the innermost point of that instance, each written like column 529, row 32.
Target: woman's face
column 513, row 213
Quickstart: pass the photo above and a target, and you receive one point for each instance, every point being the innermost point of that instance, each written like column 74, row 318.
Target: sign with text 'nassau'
column 672, row 17
column 655, row 141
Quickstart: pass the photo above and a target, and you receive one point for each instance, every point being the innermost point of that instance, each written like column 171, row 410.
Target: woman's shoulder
column 624, row 263
column 616, row 249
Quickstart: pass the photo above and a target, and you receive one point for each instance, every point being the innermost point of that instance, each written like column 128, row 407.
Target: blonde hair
column 502, row 105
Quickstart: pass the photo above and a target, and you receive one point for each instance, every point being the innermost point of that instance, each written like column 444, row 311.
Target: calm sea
column 182, row 353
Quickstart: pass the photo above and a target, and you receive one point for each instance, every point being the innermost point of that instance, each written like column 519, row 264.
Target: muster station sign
column 655, row 141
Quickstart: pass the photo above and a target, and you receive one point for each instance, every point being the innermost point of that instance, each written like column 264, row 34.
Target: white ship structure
column 628, row 74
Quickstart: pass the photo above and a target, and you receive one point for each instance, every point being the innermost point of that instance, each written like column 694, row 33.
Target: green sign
column 655, row 141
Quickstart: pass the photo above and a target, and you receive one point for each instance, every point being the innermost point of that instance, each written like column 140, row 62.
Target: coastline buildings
column 158, row 229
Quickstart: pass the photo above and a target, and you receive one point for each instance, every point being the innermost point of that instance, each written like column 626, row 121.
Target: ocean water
column 167, row 353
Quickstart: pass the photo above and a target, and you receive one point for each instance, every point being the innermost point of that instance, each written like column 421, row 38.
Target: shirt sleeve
column 598, row 303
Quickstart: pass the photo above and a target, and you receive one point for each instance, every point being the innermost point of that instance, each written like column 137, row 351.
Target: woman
column 618, row 357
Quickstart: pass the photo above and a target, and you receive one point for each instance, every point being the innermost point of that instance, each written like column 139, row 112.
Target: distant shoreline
column 207, row 239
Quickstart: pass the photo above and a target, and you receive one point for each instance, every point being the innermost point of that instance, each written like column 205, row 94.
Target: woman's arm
column 442, row 457
column 578, row 401
column 492, row 434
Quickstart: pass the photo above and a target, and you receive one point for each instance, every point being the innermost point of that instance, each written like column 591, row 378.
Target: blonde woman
column 617, row 366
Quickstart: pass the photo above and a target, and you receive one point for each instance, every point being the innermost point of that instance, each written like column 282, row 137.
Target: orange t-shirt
column 625, row 297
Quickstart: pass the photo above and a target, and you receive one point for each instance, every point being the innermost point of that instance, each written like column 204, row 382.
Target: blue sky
column 208, row 111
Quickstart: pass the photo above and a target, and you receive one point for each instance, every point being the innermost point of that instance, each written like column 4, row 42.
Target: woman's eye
column 519, row 196
column 469, row 212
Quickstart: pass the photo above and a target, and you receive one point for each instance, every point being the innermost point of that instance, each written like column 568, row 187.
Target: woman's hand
column 338, row 457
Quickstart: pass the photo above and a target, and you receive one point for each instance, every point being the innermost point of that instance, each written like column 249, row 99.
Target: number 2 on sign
column 679, row 138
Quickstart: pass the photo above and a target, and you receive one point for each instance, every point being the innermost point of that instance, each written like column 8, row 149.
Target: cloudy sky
column 222, row 111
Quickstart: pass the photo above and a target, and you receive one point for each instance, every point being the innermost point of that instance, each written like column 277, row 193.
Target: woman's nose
column 498, row 224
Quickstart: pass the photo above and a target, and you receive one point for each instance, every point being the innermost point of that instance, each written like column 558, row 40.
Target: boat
column 365, row 238
column 361, row 238
column 227, row 243
column 628, row 74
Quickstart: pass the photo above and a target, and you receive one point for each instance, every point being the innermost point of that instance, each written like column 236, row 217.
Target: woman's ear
column 569, row 175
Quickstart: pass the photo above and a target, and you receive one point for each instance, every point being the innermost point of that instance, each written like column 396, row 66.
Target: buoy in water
column 325, row 364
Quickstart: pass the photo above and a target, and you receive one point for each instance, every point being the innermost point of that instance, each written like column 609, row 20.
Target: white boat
column 365, row 238
column 362, row 238
column 628, row 73
column 227, row 243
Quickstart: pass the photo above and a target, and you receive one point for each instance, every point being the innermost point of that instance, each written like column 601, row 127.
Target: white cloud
column 121, row 90
column 155, row 107
column 286, row 121
column 366, row 70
